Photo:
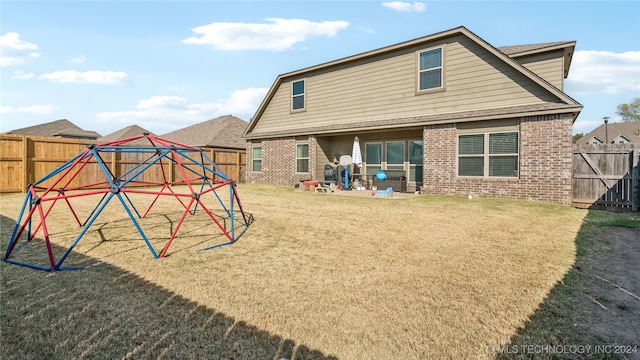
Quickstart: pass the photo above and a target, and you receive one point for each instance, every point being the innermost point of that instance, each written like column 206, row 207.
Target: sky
column 164, row 65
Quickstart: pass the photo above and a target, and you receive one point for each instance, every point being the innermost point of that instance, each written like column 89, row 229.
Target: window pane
column 430, row 79
column 257, row 165
column 373, row 154
column 430, row 59
column 298, row 102
column 298, row 87
column 302, row 165
column 372, row 169
column 471, row 144
column 395, row 153
column 471, row 166
column 302, row 151
column 503, row 143
column 503, row 166
column 415, row 151
column 415, row 173
column 257, row 152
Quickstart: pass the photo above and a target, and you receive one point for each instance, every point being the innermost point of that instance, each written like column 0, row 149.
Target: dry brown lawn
column 315, row 276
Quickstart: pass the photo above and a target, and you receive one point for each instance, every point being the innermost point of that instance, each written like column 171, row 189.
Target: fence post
column 238, row 158
column 635, row 192
column 26, row 164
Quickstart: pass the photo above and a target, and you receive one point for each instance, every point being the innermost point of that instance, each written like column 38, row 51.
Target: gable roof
column 630, row 130
column 60, row 128
column 518, row 51
column 222, row 132
column 125, row 133
column 570, row 104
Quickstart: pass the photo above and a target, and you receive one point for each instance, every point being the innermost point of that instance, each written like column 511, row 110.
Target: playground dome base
column 150, row 169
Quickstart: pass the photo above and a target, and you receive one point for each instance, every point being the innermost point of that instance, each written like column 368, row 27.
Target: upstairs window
column 297, row 95
column 430, row 69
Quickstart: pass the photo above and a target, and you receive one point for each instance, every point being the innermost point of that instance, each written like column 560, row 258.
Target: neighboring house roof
column 60, row 128
column 125, row 133
column 564, row 103
column 222, row 132
column 629, row 130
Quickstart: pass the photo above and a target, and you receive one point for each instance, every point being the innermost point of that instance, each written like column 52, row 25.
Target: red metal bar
column 175, row 231
column 168, row 143
column 66, row 172
column 46, row 235
column 71, row 208
column 22, row 227
column 154, row 201
column 181, row 167
column 65, row 196
column 224, row 231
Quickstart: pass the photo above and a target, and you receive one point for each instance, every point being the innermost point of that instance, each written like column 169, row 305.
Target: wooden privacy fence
column 26, row 159
column 606, row 177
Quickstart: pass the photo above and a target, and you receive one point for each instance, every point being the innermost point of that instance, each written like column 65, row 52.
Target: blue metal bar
column 18, row 220
column 136, row 167
column 61, row 168
column 105, row 170
column 137, row 226
column 123, row 184
column 224, row 176
column 37, row 267
column 219, row 173
column 133, row 206
column 95, row 208
column 84, row 230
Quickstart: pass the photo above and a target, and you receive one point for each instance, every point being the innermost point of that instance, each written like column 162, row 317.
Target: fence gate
column 606, row 177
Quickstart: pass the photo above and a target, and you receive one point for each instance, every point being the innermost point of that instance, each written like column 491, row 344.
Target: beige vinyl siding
column 385, row 88
column 549, row 66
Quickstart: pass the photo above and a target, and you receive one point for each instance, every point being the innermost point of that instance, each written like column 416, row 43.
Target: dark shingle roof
column 125, row 133
column 61, row 128
column 222, row 132
column 630, row 130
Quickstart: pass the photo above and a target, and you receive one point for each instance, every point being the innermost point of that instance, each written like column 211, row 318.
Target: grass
column 580, row 310
column 316, row 276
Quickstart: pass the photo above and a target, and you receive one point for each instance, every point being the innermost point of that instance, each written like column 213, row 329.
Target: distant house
column 455, row 113
column 224, row 132
column 125, row 133
column 615, row 133
column 62, row 128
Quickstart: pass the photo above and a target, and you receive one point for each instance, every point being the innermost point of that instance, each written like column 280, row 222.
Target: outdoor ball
column 381, row 175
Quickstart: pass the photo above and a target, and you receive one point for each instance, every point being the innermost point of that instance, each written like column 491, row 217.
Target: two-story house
column 458, row 115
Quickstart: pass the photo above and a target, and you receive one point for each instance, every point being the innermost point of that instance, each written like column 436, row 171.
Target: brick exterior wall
column 279, row 162
column 545, row 160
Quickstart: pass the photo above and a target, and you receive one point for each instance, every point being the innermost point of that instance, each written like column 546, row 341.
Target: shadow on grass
column 107, row 313
column 584, row 316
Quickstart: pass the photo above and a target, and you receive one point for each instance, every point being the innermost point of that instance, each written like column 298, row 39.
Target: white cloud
column 33, row 109
column 276, row 34
column 79, row 60
column 21, row 75
column 87, row 77
column 14, row 51
column 604, row 72
column 405, row 6
column 167, row 113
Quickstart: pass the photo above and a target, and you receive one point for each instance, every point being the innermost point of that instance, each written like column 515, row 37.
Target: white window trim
column 308, row 158
column 442, row 70
column 253, row 159
column 486, row 156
